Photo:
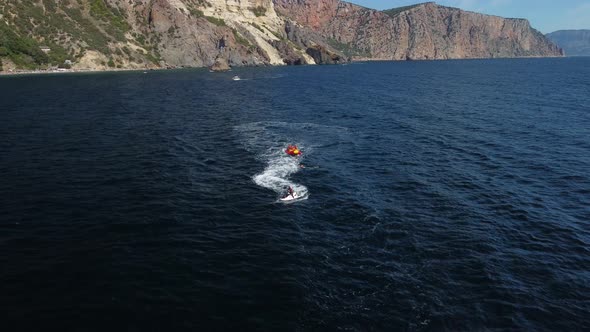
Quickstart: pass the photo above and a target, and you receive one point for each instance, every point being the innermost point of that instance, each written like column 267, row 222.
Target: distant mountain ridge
column 573, row 42
column 103, row 34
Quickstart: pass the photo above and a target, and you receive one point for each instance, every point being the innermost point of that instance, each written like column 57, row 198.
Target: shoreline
column 454, row 59
column 358, row 60
column 75, row 71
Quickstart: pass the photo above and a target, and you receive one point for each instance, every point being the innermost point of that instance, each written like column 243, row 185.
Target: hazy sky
column 544, row 15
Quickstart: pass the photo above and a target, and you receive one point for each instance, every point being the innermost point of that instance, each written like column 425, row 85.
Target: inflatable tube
column 293, row 150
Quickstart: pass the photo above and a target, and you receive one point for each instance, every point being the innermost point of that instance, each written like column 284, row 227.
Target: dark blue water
column 448, row 195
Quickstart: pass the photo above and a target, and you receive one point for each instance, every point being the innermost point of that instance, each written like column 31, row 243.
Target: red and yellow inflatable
column 293, row 150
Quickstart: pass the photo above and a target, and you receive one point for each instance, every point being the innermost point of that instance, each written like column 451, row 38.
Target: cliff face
column 573, row 42
column 424, row 31
column 102, row 34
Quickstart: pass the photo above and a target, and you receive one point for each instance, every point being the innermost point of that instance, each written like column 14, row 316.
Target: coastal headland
column 96, row 35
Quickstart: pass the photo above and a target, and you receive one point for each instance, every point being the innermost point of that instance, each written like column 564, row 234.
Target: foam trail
column 277, row 172
column 268, row 140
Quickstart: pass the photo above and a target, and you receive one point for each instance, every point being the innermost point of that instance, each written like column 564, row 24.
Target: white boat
column 236, row 78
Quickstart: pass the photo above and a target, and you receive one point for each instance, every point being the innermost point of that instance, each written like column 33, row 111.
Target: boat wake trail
column 268, row 141
column 279, row 168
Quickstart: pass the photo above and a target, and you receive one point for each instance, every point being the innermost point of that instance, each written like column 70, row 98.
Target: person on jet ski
column 290, row 192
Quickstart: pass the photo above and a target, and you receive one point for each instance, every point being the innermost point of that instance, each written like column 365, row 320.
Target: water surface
column 446, row 195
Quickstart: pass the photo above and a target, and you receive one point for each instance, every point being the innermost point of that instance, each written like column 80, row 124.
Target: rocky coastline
column 219, row 34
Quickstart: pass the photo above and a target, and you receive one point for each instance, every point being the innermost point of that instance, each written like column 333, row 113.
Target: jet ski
column 293, row 197
column 236, row 78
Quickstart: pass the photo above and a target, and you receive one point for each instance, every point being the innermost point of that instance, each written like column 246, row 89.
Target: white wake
column 277, row 173
column 268, row 142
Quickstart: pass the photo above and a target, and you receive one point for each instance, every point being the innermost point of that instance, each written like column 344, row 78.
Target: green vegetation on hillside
column 70, row 28
column 116, row 23
column 196, row 12
column 258, row 11
column 347, row 49
column 257, row 27
column 217, row 21
column 277, row 34
column 85, row 31
column 394, row 11
column 193, row 10
column 23, row 51
column 61, row 28
column 240, row 39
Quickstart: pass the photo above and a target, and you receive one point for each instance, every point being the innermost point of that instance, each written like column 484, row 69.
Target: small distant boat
column 236, row 78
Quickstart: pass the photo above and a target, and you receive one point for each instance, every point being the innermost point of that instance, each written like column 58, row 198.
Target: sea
column 435, row 196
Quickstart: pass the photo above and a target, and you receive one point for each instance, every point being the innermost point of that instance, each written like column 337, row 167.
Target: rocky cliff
column 573, row 42
column 100, row 34
column 422, row 31
column 103, row 34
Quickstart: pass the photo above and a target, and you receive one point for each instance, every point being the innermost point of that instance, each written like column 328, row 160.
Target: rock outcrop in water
column 220, row 64
column 103, row 34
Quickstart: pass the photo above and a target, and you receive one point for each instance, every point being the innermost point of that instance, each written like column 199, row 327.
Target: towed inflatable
column 293, row 150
